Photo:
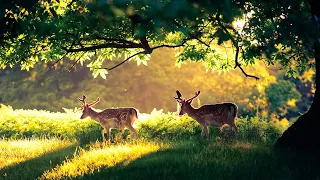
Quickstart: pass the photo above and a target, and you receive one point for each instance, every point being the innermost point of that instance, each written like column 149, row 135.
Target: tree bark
column 304, row 134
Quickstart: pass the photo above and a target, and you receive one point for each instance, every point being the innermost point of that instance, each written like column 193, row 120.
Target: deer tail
column 233, row 111
column 135, row 112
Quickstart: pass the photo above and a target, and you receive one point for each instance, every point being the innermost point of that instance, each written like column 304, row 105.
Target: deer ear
column 189, row 101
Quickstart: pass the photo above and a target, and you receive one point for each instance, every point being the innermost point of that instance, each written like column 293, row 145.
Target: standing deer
column 110, row 118
column 215, row 114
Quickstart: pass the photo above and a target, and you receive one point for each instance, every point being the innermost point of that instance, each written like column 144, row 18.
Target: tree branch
column 142, row 52
column 74, row 41
column 69, row 70
column 171, row 46
column 115, row 39
column 239, row 65
column 102, row 46
column 192, row 35
column 145, row 52
column 235, row 44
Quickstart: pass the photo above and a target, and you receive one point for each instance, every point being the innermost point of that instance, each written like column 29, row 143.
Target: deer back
column 219, row 112
column 125, row 115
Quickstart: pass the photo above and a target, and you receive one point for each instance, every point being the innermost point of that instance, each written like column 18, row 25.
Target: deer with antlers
column 117, row 118
column 215, row 114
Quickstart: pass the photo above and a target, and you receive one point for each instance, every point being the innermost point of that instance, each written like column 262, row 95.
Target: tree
column 143, row 87
column 276, row 31
column 280, row 94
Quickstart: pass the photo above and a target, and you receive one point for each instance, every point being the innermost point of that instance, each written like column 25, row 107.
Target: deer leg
column 102, row 133
column 202, row 131
column 235, row 129
column 109, row 134
column 221, row 129
column 132, row 131
column 207, row 130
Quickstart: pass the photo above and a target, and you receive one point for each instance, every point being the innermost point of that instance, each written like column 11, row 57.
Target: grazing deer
column 110, row 118
column 215, row 114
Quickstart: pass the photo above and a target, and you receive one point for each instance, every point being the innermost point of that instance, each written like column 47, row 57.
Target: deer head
column 86, row 107
column 185, row 103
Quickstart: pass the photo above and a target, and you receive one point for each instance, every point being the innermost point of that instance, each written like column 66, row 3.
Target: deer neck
column 190, row 111
column 94, row 115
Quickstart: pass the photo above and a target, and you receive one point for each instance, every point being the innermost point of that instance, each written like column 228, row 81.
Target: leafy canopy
column 276, row 31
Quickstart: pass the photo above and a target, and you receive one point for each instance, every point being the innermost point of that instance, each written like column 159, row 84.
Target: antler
column 196, row 95
column 83, row 99
column 179, row 98
column 94, row 102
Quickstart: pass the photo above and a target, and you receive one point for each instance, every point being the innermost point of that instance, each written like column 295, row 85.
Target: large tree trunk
column 304, row 134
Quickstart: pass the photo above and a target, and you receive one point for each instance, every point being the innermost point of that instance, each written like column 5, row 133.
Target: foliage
column 280, row 95
column 82, row 30
column 32, row 123
column 143, row 87
column 173, row 127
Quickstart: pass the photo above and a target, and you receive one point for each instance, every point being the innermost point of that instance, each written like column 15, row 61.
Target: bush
column 33, row 123
column 169, row 125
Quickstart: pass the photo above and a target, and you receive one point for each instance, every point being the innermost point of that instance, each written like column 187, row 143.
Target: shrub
column 169, row 125
column 33, row 123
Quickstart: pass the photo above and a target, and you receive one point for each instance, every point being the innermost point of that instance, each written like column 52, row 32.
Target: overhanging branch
column 146, row 52
column 239, row 66
column 192, row 35
column 235, row 44
column 142, row 52
column 69, row 70
column 102, row 46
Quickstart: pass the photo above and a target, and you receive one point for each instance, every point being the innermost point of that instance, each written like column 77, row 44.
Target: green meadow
column 46, row 145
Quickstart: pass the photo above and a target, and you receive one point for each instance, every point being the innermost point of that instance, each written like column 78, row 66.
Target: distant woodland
column 150, row 86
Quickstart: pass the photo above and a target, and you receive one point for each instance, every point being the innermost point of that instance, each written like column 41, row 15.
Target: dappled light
column 13, row 152
column 98, row 157
column 26, row 155
column 159, row 89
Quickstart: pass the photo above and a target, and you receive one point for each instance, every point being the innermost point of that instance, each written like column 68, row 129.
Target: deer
column 115, row 118
column 218, row 115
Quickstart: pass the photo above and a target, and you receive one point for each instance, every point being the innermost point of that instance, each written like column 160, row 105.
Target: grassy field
column 146, row 159
column 169, row 147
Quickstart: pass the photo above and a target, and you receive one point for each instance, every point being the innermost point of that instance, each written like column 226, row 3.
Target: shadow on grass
column 33, row 168
column 212, row 160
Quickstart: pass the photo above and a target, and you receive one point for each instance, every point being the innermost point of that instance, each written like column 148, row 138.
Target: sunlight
column 18, row 151
column 98, row 158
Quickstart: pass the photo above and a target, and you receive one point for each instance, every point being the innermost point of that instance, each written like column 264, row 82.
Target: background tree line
column 48, row 87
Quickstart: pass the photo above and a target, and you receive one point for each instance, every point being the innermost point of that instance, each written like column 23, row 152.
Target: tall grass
column 169, row 125
column 45, row 145
column 33, row 123
column 38, row 123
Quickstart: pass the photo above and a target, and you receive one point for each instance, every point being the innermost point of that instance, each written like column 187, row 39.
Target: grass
column 44, row 145
column 100, row 156
column 29, row 158
column 154, row 159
